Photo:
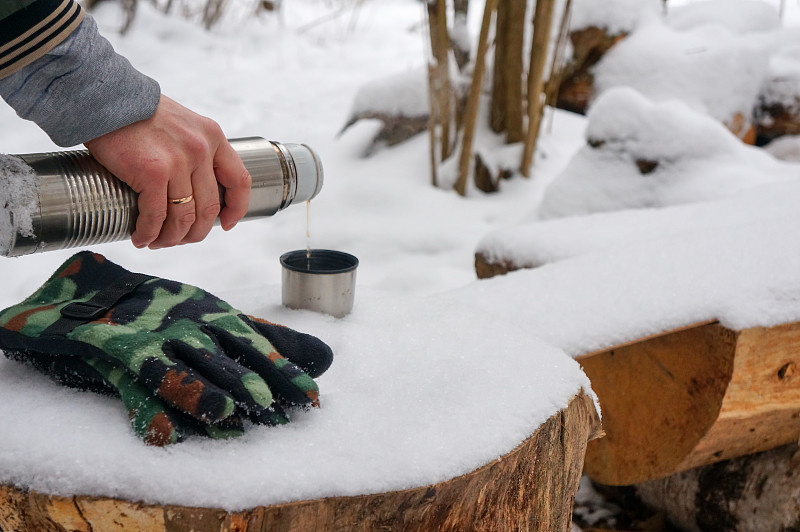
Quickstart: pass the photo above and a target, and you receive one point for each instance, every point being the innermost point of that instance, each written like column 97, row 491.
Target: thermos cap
column 309, row 171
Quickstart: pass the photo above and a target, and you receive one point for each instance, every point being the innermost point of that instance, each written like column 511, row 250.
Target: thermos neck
column 282, row 174
column 70, row 200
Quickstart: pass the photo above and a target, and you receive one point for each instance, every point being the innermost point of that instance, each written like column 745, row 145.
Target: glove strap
column 80, row 312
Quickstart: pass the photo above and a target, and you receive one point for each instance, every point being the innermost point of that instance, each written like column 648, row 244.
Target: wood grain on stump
column 531, row 488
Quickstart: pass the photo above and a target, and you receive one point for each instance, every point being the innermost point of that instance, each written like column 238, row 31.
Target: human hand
column 178, row 356
column 176, row 154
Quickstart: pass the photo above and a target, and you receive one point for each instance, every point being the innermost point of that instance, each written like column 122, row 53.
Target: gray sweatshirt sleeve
column 81, row 89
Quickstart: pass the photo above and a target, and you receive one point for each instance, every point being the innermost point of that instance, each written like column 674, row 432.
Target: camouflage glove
column 181, row 359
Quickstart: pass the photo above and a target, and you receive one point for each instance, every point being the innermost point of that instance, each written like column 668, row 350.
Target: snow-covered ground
column 435, row 373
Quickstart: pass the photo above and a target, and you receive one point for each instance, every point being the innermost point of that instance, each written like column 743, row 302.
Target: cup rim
column 325, row 261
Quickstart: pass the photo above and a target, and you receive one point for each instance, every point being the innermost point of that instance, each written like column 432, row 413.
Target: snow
column 738, row 16
column 620, row 16
column 782, row 85
column 435, row 373
column 650, row 279
column 19, row 199
column 536, row 243
column 404, row 94
column 706, row 66
column 695, row 158
column 785, row 148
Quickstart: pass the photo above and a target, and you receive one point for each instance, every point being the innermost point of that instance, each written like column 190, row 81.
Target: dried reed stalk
column 542, row 23
column 473, row 99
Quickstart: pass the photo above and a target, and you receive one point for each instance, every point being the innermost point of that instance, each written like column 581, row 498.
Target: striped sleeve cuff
column 31, row 32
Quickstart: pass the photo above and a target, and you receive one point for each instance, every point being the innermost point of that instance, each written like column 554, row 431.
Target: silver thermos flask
column 67, row 199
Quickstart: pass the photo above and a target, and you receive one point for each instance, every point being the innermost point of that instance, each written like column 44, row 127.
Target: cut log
column 589, row 45
column 753, row 493
column 488, row 173
column 531, row 488
column 776, row 119
column 693, row 397
column 485, row 268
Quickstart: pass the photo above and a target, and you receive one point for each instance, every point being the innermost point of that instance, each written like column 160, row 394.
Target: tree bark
column 515, row 41
column 507, row 99
column 542, row 22
column 531, row 488
column 497, row 109
column 752, row 493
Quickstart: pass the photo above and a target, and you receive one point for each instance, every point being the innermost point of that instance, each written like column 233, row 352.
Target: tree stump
column 531, row 488
column 693, row 397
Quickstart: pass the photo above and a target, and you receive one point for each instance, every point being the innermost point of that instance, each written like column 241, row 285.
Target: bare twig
column 440, row 49
column 558, row 66
column 433, row 140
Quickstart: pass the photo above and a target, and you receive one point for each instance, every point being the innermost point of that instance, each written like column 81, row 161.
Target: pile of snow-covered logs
column 702, row 421
column 772, row 115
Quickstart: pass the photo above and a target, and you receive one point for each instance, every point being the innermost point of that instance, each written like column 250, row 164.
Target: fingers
column 234, row 177
column 176, row 154
column 191, row 221
column 206, row 205
column 152, row 214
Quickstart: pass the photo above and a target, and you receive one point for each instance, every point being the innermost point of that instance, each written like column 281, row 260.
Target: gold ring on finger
column 181, row 201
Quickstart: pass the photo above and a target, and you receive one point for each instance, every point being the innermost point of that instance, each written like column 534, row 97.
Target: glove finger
column 247, row 388
column 274, row 415
column 151, row 419
column 184, row 388
column 228, row 428
column 287, row 381
column 308, row 352
column 156, row 422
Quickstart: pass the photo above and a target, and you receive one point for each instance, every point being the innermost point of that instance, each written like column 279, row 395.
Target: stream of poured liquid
column 308, row 230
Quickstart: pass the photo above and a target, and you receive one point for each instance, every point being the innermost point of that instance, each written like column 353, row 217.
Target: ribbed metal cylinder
column 80, row 203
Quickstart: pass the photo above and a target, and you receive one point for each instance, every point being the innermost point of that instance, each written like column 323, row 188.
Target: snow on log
column 399, row 101
column 693, row 397
column 531, row 488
